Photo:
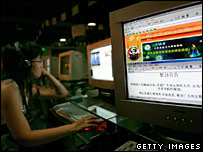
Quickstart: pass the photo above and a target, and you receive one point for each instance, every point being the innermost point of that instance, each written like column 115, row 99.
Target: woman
column 22, row 64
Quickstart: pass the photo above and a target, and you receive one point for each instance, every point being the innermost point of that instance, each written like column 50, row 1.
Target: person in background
column 21, row 65
column 195, row 51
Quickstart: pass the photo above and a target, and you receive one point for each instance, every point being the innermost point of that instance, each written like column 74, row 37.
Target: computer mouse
column 100, row 120
column 91, row 108
column 101, row 126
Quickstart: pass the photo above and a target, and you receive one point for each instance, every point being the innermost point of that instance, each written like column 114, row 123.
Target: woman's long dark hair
column 17, row 65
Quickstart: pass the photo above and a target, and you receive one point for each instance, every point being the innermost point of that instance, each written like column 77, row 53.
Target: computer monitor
column 157, row 56
column 72, row 65
column 100, row 71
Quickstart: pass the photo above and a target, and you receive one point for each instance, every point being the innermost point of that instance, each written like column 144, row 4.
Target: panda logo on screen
column 133, row 53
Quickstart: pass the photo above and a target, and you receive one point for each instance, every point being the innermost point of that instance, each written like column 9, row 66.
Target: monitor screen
column 101, row 63
column 164, row 56
column 65, row 61
column 64, row 66
column 100, row 67
column 157, row 56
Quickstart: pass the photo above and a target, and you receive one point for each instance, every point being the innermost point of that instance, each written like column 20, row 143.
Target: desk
column 127, row 123
column 121, row 129
column 116, row 125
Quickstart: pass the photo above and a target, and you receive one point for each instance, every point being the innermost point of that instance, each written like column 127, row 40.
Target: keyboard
column 71, row 111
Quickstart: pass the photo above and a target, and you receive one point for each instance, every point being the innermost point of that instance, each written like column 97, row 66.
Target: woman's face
column 37, row 67
column 193, row 46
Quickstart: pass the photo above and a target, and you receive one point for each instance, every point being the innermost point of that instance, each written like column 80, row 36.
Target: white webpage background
column 184, row 77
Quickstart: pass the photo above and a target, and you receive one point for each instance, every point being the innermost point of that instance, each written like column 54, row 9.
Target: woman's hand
column 44, row 72
column 57, row 90
column 88, row 121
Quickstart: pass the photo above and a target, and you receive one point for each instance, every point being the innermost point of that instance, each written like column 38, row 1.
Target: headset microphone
column 26, row 63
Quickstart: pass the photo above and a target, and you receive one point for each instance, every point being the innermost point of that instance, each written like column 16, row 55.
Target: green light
column 43, row 49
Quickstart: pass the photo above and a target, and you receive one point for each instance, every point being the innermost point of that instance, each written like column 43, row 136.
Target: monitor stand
column 107, row 95
column 175, row 136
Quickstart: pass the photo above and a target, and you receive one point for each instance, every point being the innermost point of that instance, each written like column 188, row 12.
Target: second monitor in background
column 72, row 66
column 100, row 71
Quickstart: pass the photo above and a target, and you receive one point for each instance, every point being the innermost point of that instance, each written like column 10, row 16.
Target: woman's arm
column 58, row 91
column 11, row 112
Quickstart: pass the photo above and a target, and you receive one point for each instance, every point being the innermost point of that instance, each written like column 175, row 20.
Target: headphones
column 23, row 61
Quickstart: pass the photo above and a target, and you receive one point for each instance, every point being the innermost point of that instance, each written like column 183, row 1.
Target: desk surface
column 107, row 111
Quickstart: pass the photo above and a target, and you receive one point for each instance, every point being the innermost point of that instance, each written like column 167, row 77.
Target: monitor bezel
column 161, row 114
